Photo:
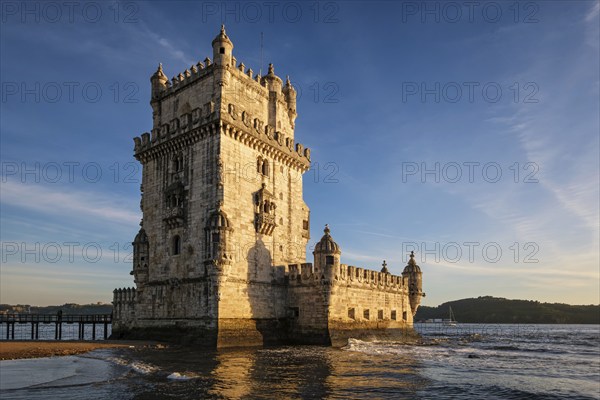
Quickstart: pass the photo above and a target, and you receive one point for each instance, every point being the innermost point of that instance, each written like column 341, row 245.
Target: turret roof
column 327, row 244
column 412, row 265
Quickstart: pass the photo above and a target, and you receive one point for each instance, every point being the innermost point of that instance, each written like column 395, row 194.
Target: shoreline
column 17, row 350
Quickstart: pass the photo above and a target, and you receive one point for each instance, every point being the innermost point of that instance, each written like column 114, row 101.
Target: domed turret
column 327, row 255
column 159, row 81
column 141, row 255
column 141, row 237
column 217, row 231
column 222, row 48
column 218, row 220
column 290, row 97
column 327, row 245
column 415, row 283
column 273, row 82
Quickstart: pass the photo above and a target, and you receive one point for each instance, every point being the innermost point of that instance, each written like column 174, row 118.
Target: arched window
column 216, row 243
column 259, row 165
column 176, row 245
column 265, row 168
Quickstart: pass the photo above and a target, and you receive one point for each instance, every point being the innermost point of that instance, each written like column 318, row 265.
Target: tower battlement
column 222, row 98
column 347, row 275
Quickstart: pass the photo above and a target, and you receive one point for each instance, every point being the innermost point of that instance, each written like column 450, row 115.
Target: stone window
column 178, row 163
column 222, row 50
column 174, row 201
column 351, row 313
column 176, row 245
column 329, row 260
column 380, row 314
column 404, row 316
column 216, row 242
column 294, row 312
column 366, row 314
column 262, row 166
column 394, row 315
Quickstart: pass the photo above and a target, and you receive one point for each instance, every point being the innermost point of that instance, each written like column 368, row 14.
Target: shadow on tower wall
column 267, row 295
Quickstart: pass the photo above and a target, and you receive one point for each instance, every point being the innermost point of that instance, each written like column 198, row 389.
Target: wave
column 137, row 366
column 176, row 376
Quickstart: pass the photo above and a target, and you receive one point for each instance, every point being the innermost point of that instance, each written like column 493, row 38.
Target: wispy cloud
column 71, row 204
column 593, row 12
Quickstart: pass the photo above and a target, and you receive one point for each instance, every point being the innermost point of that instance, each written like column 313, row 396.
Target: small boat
column 450, row 321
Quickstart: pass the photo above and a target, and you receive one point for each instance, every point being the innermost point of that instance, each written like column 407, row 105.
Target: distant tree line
column 489, row 309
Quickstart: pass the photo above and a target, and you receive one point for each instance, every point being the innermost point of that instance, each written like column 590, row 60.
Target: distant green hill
column 489, row 309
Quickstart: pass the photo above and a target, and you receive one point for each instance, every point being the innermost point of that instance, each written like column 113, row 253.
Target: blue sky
column 470, row 135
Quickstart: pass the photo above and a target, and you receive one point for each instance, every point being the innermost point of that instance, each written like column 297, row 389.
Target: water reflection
column 313, row 372
column 308, row 372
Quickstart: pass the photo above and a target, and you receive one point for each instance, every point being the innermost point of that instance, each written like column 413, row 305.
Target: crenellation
column 360, row 277
column 307, row 270
column 145, row 139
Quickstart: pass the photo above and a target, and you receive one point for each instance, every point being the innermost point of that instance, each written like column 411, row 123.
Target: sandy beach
column 13, row 350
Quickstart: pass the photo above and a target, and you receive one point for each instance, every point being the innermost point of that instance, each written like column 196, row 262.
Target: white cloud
column 593, row 12
column 71, row 204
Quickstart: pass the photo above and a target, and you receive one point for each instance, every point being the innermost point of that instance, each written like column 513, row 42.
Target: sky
column 467, row 133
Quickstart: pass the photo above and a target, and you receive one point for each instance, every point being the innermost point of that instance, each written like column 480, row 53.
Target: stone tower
column 413, row 273
column 221, row 196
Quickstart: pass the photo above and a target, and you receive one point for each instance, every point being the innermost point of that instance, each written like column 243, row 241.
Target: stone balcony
column 174, row 216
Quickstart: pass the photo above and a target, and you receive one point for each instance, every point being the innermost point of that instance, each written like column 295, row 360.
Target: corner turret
column 216, row 247
column 415, row 283
column 272, row 81
column 290, row 97
column 159, row 82
column 141, row 257
column 222, row 48
column 327, row 255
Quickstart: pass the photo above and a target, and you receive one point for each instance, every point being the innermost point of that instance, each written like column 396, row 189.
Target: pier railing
column 58, row 320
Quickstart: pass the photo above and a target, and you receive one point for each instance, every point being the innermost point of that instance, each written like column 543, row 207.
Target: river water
column 469, row 361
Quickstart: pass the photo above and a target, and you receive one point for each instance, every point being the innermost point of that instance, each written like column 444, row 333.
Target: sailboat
column 450, row 321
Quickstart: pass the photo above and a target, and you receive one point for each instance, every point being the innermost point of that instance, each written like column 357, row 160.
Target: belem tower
column 220, row 258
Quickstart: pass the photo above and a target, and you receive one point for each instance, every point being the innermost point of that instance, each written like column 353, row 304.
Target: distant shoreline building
column 220, row 258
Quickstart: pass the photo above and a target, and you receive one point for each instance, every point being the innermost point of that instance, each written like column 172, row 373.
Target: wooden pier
column 58, row 320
